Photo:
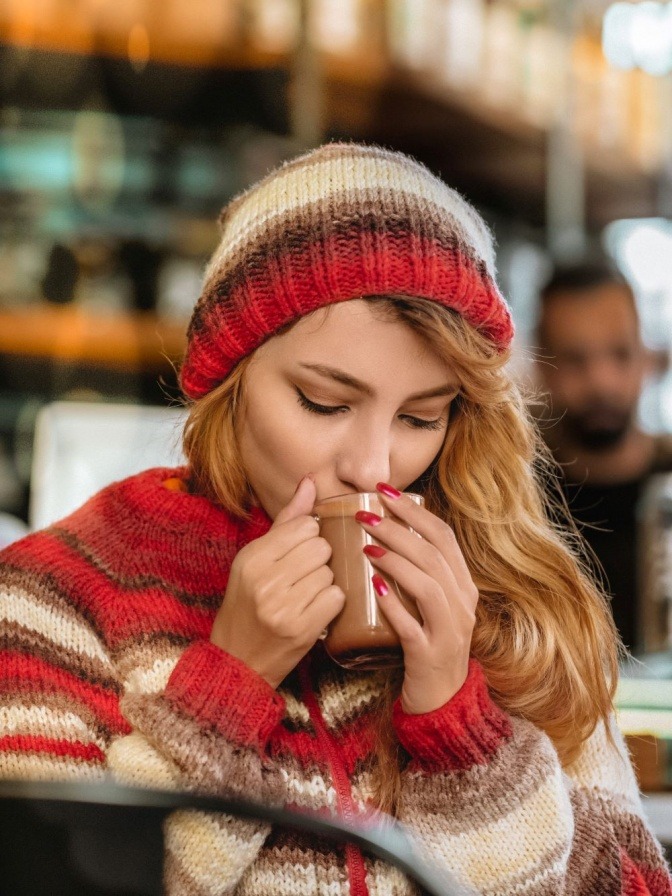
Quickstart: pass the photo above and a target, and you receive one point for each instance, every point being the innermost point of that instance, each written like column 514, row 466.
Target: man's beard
column 598, row 426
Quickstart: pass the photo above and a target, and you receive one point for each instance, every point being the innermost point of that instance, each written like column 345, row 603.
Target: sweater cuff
column 464, row 732
column 222, row 692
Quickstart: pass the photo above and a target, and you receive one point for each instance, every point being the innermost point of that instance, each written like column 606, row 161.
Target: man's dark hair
column 582, row 275
column 576, row 278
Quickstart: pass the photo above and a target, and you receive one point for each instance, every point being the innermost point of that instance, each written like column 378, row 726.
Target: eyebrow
column 340, row 376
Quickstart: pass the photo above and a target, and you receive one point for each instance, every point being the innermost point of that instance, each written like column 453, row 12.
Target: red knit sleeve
column 212, row 721
column 464, row 732
column 487, row 795
column 221, row 692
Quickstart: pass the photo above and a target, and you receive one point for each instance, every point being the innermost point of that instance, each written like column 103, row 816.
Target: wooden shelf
column 129, row 341
column 493, row 155
column 205, row 38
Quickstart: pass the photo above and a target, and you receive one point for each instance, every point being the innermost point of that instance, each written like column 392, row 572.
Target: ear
column 655, row 361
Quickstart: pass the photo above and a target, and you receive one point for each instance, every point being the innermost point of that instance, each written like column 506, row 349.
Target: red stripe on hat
column 257, row 306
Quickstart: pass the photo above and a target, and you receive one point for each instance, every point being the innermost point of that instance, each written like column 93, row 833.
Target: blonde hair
column 210, row 443
column 544, row 634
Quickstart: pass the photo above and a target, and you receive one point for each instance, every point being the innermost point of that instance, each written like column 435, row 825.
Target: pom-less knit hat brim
column 338, row 223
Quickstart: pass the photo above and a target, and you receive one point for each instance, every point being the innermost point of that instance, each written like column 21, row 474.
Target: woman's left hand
column 431, row 570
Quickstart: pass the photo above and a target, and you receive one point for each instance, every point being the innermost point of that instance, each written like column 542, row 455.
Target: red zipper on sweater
column 346, row 807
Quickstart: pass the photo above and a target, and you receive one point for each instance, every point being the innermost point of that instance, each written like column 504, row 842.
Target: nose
column 603, row 375
column 364, row 458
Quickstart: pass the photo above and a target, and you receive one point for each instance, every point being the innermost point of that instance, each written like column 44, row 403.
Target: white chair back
column 80, row 447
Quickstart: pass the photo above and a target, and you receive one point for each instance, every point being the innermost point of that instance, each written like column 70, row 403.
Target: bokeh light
column 639, row 35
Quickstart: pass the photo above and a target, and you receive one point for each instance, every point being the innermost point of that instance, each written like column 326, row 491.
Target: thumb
column 301, row 503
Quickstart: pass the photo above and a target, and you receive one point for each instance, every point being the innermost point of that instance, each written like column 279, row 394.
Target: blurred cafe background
column 126, row 124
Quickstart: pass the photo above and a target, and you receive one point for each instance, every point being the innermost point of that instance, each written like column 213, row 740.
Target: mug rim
column 411, row 495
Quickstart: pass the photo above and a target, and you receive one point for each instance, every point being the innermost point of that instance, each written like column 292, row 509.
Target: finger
column 422, row 554
column 431, row 529
column 301, row 503
column 324, row 607
column 280, row 540
column 442, row 605
column 404, row 624
column 305, row 558
column 425, row 590
column 305, row 591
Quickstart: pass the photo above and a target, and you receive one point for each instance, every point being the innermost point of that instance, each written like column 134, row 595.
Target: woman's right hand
column 280, row 596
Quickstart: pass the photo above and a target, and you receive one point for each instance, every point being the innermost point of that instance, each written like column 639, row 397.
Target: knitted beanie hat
column 340, row 222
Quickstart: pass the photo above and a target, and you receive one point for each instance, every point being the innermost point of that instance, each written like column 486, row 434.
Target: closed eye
column 329, row 410
column 313, row 407
column 419, row 423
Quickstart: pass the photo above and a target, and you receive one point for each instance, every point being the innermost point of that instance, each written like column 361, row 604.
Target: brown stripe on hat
column 295, row 232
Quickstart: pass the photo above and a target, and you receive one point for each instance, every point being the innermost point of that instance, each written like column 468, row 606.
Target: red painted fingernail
column 365, row 516
column 379, row 584
column 373, row 550
column 388, row 490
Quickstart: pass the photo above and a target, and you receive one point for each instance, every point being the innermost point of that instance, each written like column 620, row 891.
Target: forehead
column 354, row 335
column 596, row 316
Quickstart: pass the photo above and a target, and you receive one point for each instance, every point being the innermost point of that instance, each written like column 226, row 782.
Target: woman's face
column 346, row 395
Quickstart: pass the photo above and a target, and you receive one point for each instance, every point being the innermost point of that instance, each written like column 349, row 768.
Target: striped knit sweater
column 106, row 669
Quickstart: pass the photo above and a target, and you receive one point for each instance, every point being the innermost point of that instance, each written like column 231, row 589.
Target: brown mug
column 360, row 637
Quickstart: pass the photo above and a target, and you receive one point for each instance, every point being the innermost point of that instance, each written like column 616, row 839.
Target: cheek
column 567, row 384
column 415, row 458
column 265, row 437
column 275, row 448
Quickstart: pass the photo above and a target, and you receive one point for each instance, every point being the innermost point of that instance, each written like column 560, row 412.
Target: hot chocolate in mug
column 360, row 637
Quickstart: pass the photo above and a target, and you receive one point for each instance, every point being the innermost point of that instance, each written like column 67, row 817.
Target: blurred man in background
column 592, row 364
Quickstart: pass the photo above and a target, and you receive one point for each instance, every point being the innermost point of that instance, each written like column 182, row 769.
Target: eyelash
column 330, row 410
column 325, row 409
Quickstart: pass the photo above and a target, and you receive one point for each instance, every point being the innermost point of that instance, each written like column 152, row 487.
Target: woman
column 350, row 337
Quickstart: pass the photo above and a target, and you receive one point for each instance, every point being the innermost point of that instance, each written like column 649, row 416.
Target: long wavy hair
column 544, row 634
